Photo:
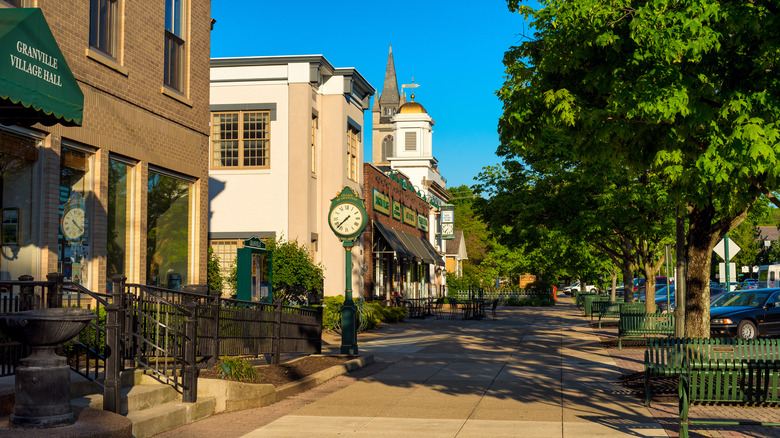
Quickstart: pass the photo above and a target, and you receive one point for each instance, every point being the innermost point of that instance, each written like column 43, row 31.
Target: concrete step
column 168, row 416
column 134, row 398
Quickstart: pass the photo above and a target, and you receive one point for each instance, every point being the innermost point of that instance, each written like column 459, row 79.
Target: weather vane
column 412, row 85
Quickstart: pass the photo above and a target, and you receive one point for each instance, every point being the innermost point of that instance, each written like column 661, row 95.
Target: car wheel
column 747, row 330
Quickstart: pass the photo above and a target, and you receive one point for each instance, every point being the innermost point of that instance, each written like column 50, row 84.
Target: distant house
column 455, row 254
column 768, row 233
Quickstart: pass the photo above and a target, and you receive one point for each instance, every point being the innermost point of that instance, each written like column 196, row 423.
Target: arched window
column 387, row 147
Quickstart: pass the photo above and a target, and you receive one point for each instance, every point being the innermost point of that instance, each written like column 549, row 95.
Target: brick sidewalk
column 631, row 360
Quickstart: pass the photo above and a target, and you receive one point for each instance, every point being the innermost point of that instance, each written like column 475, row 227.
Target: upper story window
column 174, row 44
column 104, row 26
column 352, row 153
column 313, row 144
column 241, row 139
column 17, row 3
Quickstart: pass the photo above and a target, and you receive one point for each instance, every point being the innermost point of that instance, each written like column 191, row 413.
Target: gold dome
column 412, row 108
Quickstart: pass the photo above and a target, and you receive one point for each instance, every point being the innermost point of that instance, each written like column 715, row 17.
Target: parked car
column 723, row 299
column 661, row 301
column 769, row 275
column 576, row 286
column 747, row 315
column 748, row 284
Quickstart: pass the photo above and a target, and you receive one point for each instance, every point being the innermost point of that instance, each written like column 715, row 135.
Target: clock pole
column 348, row 230
column 348, row 310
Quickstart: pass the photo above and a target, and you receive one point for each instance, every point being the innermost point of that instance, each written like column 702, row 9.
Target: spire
column 375, row 108
column 403, row 99
column 390, row 94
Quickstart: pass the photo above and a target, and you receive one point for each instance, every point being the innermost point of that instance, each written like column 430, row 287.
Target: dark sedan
column 747, row 315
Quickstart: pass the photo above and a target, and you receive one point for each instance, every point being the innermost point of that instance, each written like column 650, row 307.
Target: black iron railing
column 167, row 333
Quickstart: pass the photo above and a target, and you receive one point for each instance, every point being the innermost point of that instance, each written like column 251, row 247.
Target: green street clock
column 347, row 217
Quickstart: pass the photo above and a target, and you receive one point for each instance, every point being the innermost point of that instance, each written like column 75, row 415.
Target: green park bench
column 612, row 309
column 589, row 303
column 734, row 382
column 580, row 300
column 666, row 357
column 640, row 325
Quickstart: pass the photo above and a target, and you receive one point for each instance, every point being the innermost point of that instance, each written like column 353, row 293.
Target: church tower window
column 410, row 141
column 387, row 147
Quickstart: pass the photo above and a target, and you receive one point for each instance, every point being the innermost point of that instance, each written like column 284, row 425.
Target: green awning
column 36, row 86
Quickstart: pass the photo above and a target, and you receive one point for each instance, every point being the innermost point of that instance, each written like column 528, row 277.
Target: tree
column 687, row 90
column 294, row 272
column 214, row 277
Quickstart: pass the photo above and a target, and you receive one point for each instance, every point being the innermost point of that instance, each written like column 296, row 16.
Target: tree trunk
column 701, row 240
column 628, row 281
column 649, row 287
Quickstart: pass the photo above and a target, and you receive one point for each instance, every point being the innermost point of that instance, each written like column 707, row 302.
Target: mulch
column 282, row 374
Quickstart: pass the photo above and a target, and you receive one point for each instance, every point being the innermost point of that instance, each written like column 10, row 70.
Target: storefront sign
column 381, row 202
column 410, row 216
column 422, row 222
column 396, row 210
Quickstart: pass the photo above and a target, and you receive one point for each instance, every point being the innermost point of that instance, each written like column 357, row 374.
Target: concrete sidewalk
column 534, row 372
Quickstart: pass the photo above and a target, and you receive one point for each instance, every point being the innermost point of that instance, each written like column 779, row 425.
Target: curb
column 321, row 377
column 237, row 396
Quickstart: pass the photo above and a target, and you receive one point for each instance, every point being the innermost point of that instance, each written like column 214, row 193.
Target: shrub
column 331, row 313
column 214, row 277
column 236, row 368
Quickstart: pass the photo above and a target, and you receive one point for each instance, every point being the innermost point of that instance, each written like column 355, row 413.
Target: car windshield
column 723, row 299
column 749, row 299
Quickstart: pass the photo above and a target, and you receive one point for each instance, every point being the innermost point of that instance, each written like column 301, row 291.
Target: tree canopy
column 687, row 91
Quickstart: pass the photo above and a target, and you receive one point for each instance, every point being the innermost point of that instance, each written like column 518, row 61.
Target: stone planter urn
column 43, row 378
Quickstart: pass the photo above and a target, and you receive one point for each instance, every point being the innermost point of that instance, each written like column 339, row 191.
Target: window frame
column 108, row 26
column 175, row 45
column 353, row 145
column 314, row 127
column 240, row 139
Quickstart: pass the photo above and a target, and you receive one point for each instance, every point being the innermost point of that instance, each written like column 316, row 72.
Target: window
column 352, row 148
column 241, row 140
column 313, row 144
column 16, row 3
column 226, row 251
column 410, row 141
column 174, row 44
column 75, row 200
column 387, row 148
column 119, row 211
column 103, row 25
column 168, row 222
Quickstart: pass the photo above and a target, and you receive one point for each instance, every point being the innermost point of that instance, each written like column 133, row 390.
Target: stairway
column 153, row 407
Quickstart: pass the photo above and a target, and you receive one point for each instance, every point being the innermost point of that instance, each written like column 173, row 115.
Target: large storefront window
column 120, row 183
column 20, row 215
column 169, row 216
column 73, row 247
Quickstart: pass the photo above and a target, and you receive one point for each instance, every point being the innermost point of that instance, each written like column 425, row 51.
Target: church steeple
column 390, row 94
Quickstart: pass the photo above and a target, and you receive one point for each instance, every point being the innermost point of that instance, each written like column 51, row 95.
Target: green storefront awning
column 36, row 85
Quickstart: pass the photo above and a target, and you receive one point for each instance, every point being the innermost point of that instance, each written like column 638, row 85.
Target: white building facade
column 286, row 138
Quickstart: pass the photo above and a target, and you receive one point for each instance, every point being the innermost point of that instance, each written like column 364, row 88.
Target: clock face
column 346, row 219
column 73, row 224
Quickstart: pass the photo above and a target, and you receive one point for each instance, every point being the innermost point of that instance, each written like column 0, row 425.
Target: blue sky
column 453, row 49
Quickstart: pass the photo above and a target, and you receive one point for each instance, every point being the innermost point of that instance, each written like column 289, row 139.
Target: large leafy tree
column 685, row 89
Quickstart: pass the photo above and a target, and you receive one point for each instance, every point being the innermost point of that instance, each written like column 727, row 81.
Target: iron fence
column 167, row 333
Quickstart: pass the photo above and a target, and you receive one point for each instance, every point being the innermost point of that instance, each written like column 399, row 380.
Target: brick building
column 397, row 254
column 120, row 186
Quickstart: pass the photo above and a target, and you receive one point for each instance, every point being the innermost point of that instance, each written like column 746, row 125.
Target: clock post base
column 349, row 329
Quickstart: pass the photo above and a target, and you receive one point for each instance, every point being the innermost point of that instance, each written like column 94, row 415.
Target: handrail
column 148, row 290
